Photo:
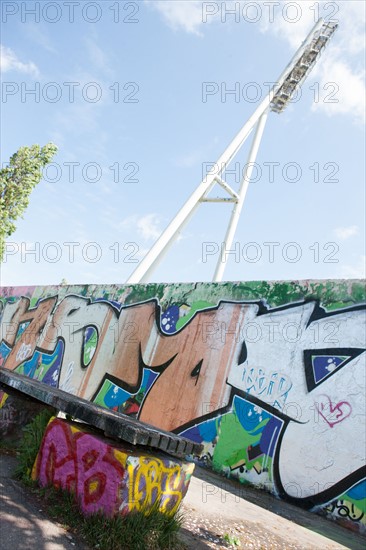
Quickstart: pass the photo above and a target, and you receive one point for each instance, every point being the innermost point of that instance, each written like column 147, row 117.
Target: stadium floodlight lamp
column 302, row 67
column 276, row 100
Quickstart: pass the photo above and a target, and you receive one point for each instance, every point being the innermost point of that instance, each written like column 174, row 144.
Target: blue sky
column 119, row 87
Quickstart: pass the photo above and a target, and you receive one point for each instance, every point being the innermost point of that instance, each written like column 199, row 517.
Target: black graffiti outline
column 343, row 510
column 318, row 313
column 134, row 389
column 309, row 502
column 311, row 383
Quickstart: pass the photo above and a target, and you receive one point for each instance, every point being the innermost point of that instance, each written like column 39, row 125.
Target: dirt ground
column 216, row 509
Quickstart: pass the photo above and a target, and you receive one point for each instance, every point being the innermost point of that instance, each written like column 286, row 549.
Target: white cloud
column 342, row 91
column 293, row 25
column 356, row 271
column 352, row 26
column 279, row 22
column 10, row 62
column 344, row 233
column 184, row 14
column 148, row 227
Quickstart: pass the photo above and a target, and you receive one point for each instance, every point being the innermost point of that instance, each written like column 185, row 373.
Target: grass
column 151, row 530
column 30, row 444
column 232, row 540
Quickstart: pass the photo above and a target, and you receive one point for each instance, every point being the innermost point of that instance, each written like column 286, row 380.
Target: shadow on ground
column 308, row 520
column 23, row 523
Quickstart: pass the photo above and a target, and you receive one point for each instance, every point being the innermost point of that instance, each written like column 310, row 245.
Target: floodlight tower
column 277, row 99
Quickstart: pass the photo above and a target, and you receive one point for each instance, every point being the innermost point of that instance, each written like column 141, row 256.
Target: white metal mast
column 276, row 100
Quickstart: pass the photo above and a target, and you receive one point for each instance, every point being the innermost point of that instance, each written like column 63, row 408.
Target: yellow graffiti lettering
column 152, row 482
column 3, row 398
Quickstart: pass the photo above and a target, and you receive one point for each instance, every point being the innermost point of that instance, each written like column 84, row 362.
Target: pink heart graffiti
column 333, row 413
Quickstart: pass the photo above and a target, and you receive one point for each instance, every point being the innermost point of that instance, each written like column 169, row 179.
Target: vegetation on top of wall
column 332, row 294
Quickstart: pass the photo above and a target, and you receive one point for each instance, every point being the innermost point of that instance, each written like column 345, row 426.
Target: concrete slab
column 112, row 423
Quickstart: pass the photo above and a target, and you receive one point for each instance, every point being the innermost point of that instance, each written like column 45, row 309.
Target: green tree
column 17, row 180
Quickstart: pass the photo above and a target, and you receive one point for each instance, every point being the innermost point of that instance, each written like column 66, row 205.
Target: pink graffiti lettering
column 100, row 475
column 55, row 463
column 333, row 413
column 80, row 463
column 107, row 478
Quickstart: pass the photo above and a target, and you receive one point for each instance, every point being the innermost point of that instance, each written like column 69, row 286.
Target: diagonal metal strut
column 276, row 100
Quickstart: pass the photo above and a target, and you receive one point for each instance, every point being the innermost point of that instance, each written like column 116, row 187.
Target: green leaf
column 17, row 181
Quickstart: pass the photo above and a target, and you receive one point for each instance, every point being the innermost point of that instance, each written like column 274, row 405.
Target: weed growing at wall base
column 30, row 444
column 137, row 531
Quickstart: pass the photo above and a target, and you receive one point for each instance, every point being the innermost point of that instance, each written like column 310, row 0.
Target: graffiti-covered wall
column 107, row 477
column 269, row 376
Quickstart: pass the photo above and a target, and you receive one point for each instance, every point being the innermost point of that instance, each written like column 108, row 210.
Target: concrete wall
column 16, row 411
column 106, row 476
column 269, row 376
